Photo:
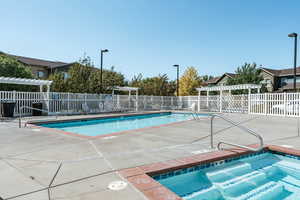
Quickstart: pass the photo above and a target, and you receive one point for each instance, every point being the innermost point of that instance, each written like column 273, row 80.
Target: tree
column 111, row 78
column 189, row 81
column 10, row 67
column 158, row 85
column 83, row 77
column 246, row 74
column 79, row 76
column 59, row 83
column 207, row 77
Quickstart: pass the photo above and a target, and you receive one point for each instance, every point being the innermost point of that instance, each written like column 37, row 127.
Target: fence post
column 199, row 101
column 221, row 99
column 284, row 103
column 249, row 100
column 162, row 102
column 68, row 101
column 265, row 102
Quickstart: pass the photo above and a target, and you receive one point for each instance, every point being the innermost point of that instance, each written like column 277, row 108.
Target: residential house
column 220, row 80
column 42, row 68
column 276, row 80
column 280, row 80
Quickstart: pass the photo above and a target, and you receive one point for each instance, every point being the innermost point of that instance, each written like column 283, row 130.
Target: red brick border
column 153, row 190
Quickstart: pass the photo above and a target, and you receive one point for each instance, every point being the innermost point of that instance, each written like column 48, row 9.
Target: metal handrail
column 28, row 107
column 213, row 116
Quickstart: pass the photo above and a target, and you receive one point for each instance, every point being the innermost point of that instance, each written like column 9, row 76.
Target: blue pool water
column 95, row 127
column 264, row 176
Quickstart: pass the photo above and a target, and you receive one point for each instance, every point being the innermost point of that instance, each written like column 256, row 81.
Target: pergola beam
column 228, row 88
column 129, row 89
column 24, row 81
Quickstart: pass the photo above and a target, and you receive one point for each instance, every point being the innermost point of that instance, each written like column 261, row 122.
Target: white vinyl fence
column 276, row 104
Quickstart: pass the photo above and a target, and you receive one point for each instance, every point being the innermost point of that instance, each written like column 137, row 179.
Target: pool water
column 95, row 127
column 266, row 176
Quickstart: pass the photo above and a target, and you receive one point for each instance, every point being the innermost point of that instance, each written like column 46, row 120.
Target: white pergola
column 25, row 81
column 129, row 90
column 228, row 88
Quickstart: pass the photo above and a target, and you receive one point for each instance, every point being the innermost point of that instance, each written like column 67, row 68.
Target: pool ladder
column 195, row 115
column 31, row 108
column 213, row 116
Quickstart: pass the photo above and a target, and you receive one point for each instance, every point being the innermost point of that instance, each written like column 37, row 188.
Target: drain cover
column 117, row 185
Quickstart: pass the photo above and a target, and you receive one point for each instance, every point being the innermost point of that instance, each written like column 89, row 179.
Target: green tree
column 247, row 74
column 110, row 79
column 10, row 67
column 207, row 77
column 158, row 85
column 79, row 76
column 59, row 83
column 189, row 81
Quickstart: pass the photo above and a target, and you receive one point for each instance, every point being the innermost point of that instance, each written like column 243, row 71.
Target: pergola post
column 207, row 97
column 199, row 93
column 249, row 106
column 48, row 97
column 129, row 99
column 137, row 100
column 221, row 100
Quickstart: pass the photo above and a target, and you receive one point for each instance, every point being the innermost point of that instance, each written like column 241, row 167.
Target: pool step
column 209, row 193
column 243, row 184
column 238, row 179
column 227, row 173
column 268, row 191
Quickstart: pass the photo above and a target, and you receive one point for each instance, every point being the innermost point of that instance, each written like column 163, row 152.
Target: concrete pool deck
column 30, row 157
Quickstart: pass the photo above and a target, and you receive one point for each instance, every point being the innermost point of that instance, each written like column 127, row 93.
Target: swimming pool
column 107, row 125
column 260, row 176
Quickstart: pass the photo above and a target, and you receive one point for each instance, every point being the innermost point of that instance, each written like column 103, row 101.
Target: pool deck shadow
column 30, row 157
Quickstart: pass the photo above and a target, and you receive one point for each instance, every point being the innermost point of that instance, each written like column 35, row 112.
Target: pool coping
column 140, row 177
column 36, row 125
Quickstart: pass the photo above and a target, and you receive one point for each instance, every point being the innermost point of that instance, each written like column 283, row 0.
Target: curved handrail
column 213, row 116
column 28, row 107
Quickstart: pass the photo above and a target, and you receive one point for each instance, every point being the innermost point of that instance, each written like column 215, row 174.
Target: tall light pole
column 101, row 67
column 294, row 35
column 177, row 85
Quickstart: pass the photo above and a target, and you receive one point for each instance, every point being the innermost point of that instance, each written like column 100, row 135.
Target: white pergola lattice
column 25, row 81
column 228, row 88
column 129, row 90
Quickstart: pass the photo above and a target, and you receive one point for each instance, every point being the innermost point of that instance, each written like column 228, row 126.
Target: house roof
column 212, row 80
column 39, row 62
column 282, row 72
column 217, row 79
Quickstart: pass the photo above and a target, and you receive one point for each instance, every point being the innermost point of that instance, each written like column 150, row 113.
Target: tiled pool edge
column 140, row 177
column 37, row 125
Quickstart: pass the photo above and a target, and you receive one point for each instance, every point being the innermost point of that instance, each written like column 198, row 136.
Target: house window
column 66, row 75
column 40, row 74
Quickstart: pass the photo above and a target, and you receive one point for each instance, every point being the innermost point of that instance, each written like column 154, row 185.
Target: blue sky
column 149, row 36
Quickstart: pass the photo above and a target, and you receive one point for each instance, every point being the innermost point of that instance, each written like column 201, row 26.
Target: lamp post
column 101, row 67
column 294, row 35
column 177, row 85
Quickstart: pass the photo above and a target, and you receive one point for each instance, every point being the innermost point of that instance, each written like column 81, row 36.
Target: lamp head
column 175, row 65
column 293, row 35
column 104, row 50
